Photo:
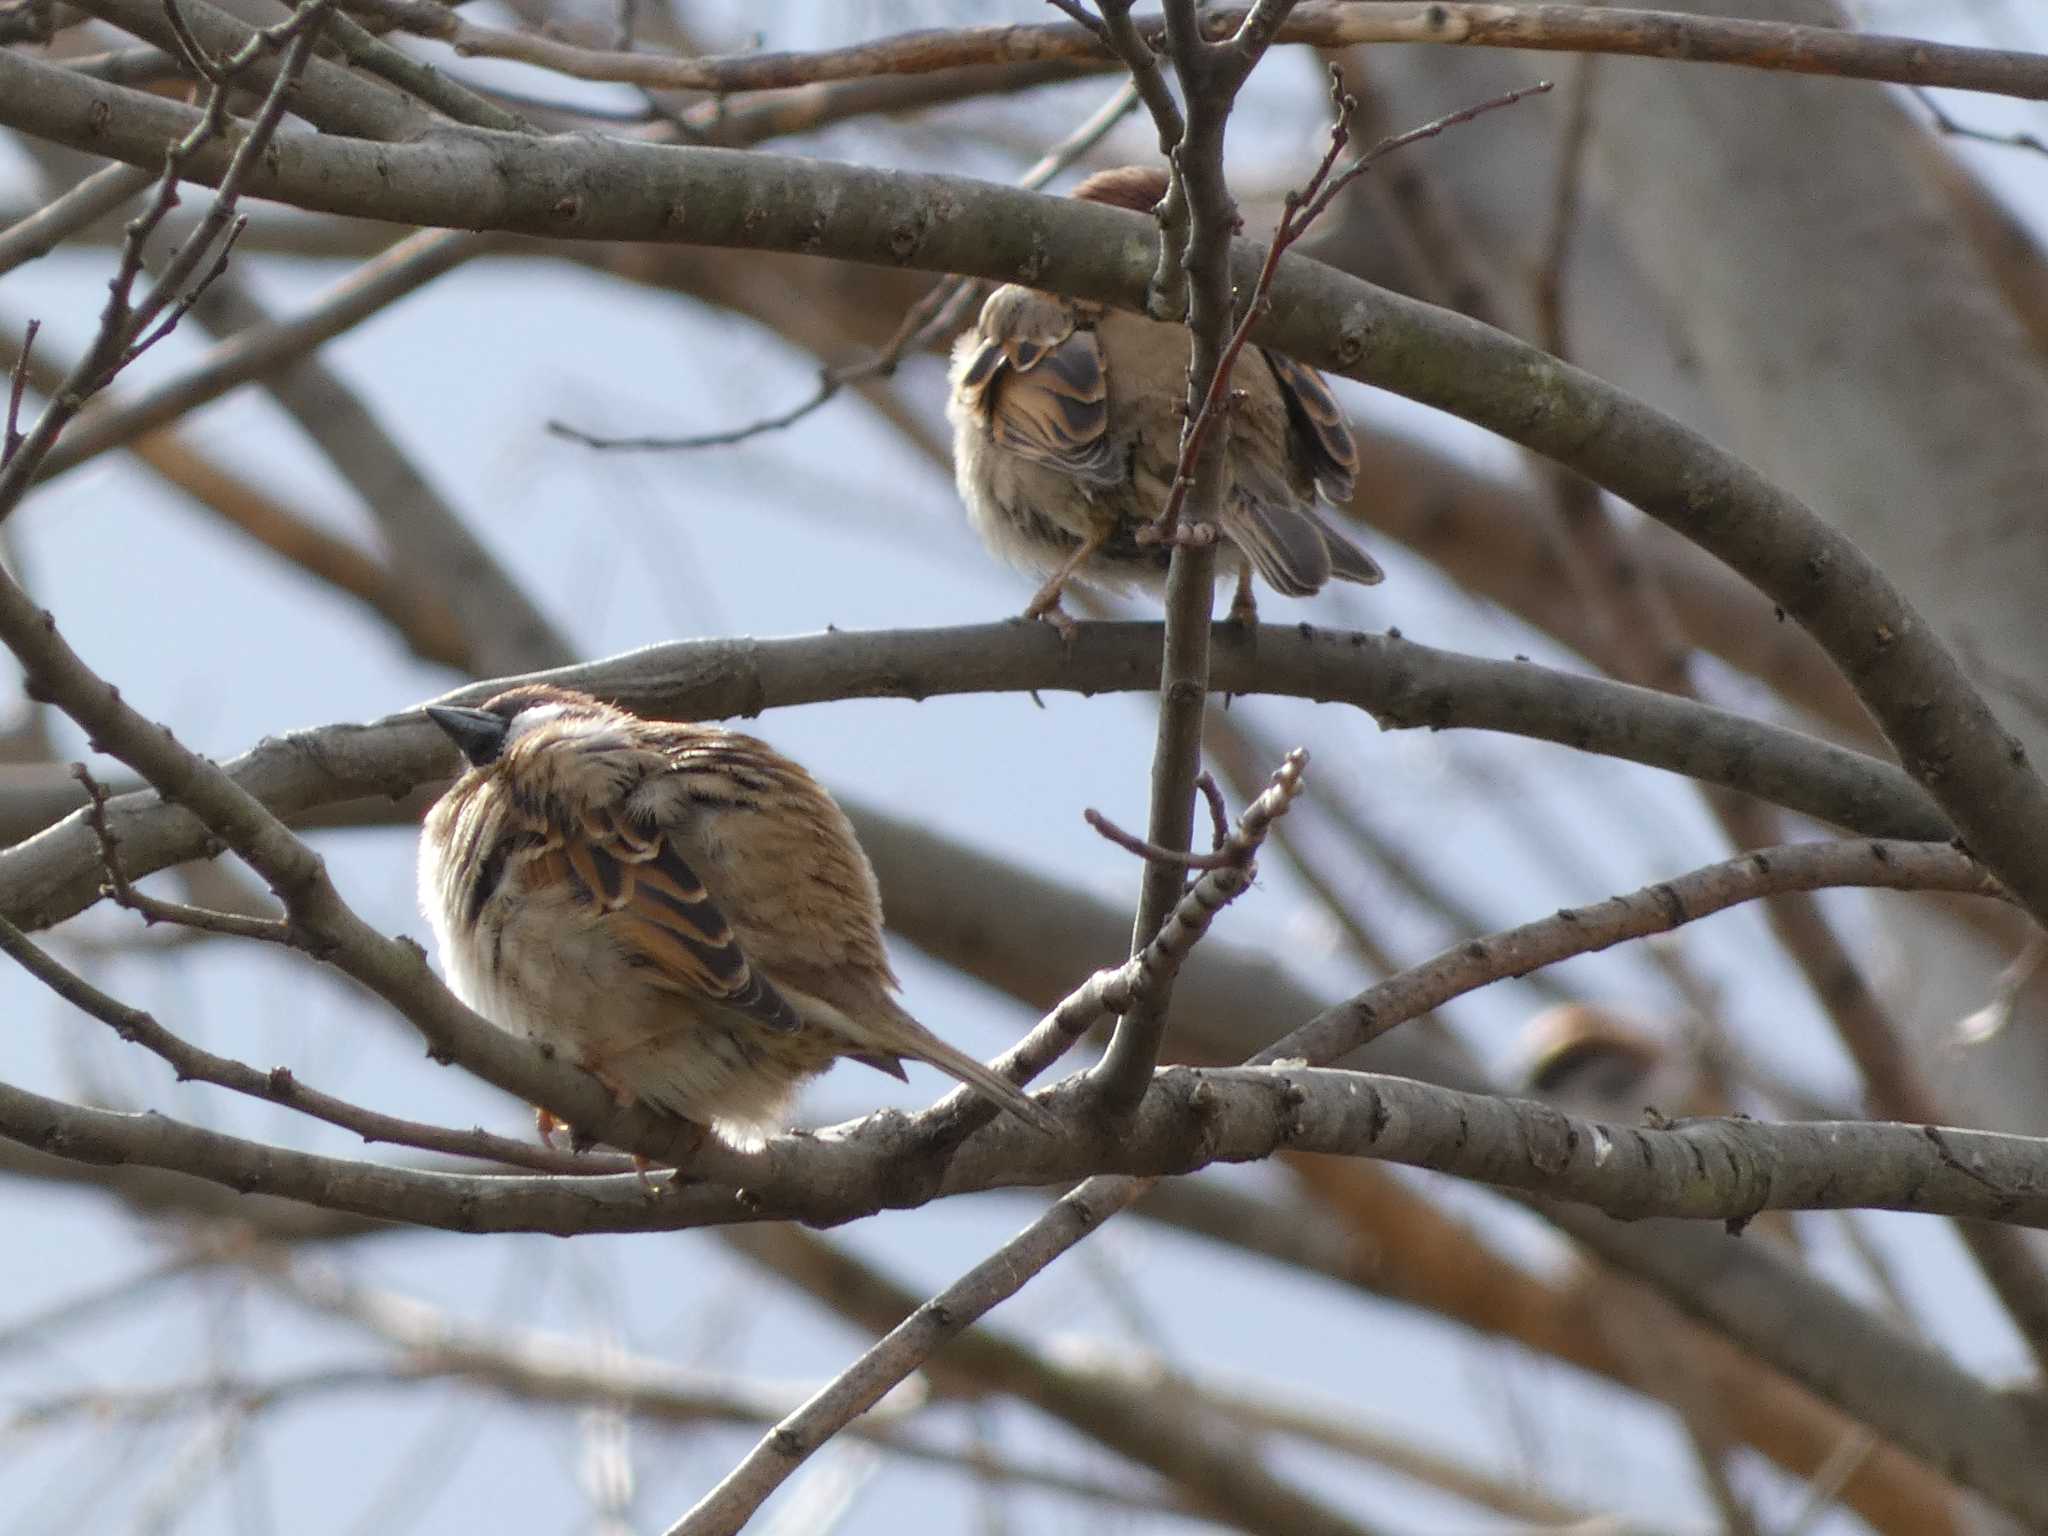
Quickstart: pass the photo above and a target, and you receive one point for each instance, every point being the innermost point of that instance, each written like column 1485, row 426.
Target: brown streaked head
column 481, row 733
column 1140, row 188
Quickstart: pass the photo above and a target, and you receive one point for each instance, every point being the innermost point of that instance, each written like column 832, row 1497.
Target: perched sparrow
column 1066, row 432
column 678, row 908
column 1591, row 1061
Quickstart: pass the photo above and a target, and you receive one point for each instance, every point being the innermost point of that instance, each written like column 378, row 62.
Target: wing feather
column 1037, row 382
column 656, row 907
column 1322, row 438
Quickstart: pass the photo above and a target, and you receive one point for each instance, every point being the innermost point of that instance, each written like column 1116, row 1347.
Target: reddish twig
column 1130, row 842
column 1219, row 812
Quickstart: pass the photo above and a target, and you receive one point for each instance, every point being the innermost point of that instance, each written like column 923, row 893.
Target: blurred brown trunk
column 1802, row 262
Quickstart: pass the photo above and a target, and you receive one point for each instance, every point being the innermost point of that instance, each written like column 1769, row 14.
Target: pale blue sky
column 836, row 522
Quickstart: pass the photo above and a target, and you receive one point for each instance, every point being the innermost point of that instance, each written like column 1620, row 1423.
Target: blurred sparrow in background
column 680, row 909
column 1591, row 1061
column 1066, row 434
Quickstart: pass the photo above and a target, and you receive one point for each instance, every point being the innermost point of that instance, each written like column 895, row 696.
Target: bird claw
column 1181, row 535
column 1047, row 610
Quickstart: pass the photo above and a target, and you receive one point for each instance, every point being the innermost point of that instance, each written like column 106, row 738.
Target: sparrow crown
column 485, row 735
column 1141, row 188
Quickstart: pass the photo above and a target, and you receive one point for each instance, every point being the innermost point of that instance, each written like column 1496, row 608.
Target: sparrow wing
column 657, row 908
column 1035, row 379
column 1322, row 439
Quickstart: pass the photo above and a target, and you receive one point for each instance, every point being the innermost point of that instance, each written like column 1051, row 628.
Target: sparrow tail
column 1347, row 561
column 1289, row 548
column 927, row 1047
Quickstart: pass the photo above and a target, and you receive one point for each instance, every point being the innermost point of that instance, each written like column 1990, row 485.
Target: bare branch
column 1655, row 908
column 50, row 225
column 1219, row 1476
column 932, row 316
column 277, row 1086
column 125, row 324
column 1197, row 222
column 1674, row 36
column 1403, row 685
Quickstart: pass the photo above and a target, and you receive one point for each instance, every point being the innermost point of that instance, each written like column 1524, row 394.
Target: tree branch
column 48, row 877
column 1674, row 36
column 1945, row 732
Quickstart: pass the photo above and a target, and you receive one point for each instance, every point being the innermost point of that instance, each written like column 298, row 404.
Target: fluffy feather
column 678, row 908
column 1066, row 430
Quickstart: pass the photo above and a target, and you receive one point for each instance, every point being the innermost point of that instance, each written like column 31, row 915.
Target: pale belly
column 552, row 975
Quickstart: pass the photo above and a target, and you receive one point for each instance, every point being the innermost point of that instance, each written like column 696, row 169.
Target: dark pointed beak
column 479, row 733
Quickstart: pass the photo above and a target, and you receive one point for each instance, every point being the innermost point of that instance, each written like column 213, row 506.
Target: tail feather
column 1347, row 561
column 960, row 1065
column 1285, row 545
column 907, row 1037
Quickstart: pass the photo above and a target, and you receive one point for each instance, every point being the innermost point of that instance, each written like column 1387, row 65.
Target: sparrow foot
column 1244, row 608
column 1185, row 535
column 1049, row 611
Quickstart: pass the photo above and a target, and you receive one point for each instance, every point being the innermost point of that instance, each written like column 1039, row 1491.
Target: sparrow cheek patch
column 491, row 874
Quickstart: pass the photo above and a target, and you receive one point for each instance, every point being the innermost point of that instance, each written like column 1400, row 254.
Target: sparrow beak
column 479, row 733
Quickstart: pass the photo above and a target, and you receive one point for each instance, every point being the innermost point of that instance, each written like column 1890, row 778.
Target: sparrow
column 1066, row 434
column 1591, row 1061
column 679, row 909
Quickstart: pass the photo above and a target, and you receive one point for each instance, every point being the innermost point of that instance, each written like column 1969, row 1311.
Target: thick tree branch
column 1704, row 1170
column 1944, row 731
column 1561, row 28
column 48, row 877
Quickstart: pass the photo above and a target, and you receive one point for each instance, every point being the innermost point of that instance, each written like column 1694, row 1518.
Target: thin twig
column 1656, row 908
column 892, row 1358
column 152, row 909
column 935, row 314
column 124, row 322
column 17, row 386
column 1300, row 211
column 1130, row 842
column 279, row 1085
column 1577, row 29
column 1219, row 812
column 1956, row 130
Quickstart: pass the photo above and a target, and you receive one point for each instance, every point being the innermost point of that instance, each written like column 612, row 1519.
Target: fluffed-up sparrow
column 1066, row 434
column 680, row 909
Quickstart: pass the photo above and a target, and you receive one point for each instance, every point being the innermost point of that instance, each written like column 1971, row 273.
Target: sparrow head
column 485, row 734
column 1140, row 188
column 1593, row 1061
